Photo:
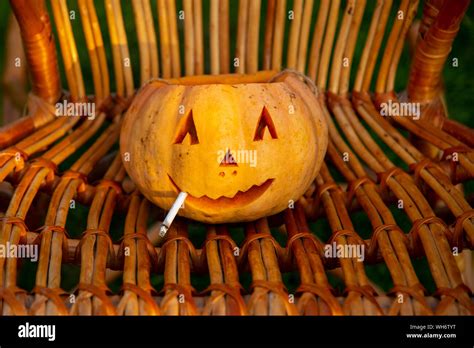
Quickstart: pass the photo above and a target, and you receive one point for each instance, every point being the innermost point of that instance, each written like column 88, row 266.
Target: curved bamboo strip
column 317, row 297
column 143, row 41
column 178, row 291
column 304, row 36
column 95, row 248
column 39, row 48
column 174, row 39
column 120, row 52
column 224, row 36
column 269, row 32
column 214, row 36
column 198, row 38
column 295, row 28
column 253, row 33
column 269, row 296
column 72, row 65
column 278, row 36
column 317, row 41
column 327, row 45
column 189, row 36
column 137, row 289
column 14, row 79
column 224, row 290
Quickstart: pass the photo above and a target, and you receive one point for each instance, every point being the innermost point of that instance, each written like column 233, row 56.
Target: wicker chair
column 40, row 165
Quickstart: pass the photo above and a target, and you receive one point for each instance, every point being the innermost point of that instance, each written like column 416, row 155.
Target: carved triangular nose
column 228, row 160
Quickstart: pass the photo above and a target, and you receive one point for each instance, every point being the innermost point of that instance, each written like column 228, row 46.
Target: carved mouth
column 239, row 199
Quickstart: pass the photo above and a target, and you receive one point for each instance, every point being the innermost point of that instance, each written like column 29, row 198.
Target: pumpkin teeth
column 249, row 195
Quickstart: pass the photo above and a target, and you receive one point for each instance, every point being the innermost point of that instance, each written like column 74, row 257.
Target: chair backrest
column 316, row 38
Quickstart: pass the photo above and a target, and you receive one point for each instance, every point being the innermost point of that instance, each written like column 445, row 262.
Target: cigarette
column 165, row 225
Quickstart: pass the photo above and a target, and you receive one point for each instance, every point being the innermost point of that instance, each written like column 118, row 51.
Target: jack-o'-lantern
column 241, row 146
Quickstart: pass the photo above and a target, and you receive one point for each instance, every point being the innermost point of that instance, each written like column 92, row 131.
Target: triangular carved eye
column 265, row 122
column 187, row 129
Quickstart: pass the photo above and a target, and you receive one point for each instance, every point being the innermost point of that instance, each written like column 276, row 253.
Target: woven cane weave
column 390, row 186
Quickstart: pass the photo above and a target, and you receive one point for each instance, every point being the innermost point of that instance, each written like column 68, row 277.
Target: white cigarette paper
column 165, row 225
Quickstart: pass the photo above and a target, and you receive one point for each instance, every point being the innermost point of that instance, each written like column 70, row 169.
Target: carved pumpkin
column 241, row 146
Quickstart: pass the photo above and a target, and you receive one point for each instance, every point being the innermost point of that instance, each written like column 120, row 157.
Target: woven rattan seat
column 380, row 167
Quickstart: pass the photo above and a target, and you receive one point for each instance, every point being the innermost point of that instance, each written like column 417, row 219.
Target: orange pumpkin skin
column 175, row 135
